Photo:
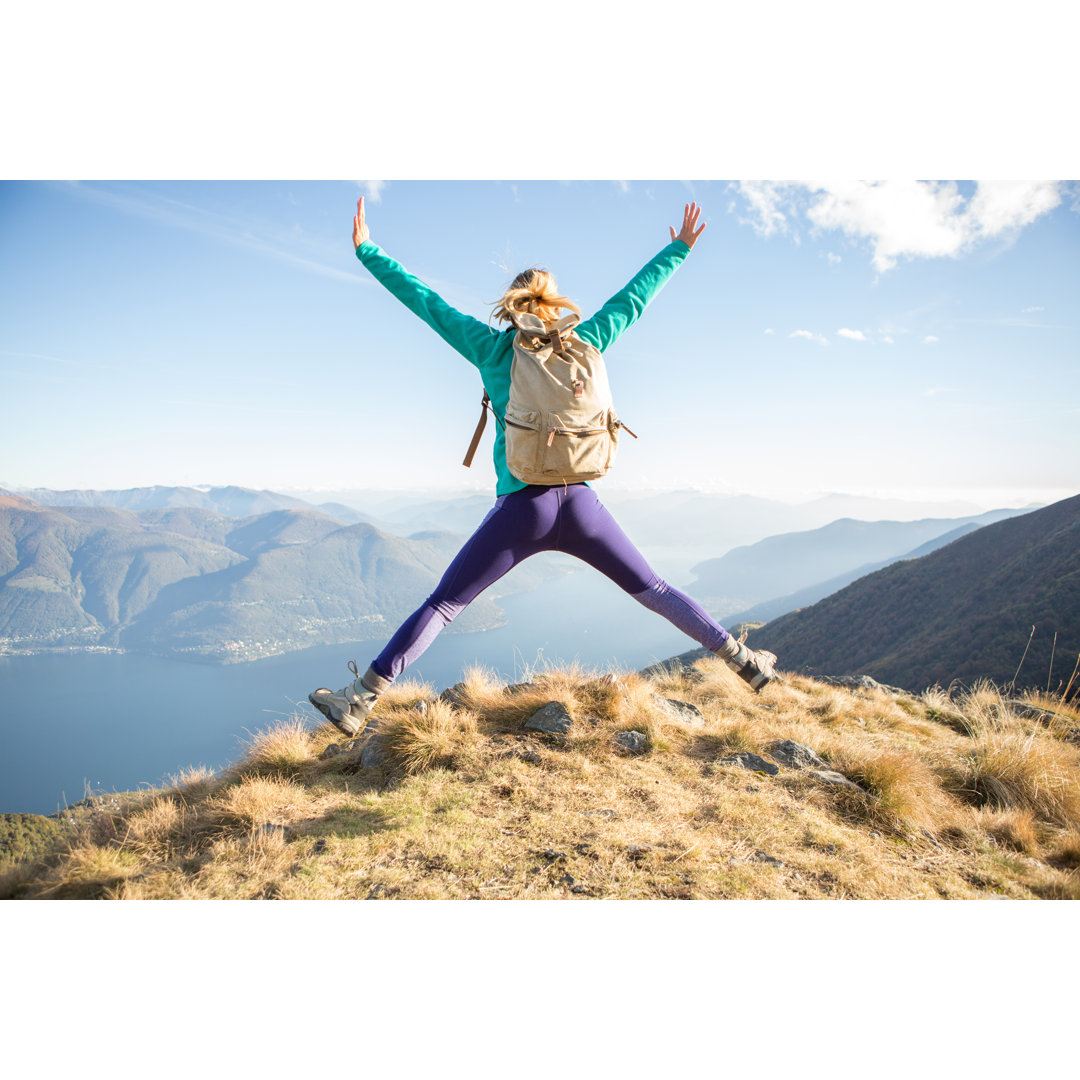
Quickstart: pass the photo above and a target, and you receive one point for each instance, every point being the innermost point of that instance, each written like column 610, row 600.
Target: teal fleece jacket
column 491, row 351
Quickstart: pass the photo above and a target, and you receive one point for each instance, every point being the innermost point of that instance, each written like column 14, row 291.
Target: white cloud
column 901, row 218
column 930, row 340
column 1000, row 206
column 624, row 185
column 373, row 189
column 763, row 197
column 854, row 335
column 888, row 340
column 770, row 331
column 833, row 258
column 809, row 336
column 1027, row 310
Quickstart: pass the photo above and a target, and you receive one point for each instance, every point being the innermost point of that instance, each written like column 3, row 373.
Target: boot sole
column 350, row 730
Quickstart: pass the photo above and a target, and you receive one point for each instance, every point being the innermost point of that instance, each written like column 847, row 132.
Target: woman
column 527, row 519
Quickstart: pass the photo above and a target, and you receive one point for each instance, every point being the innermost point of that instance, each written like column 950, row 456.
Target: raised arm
column 626, row 306
column 469, row 336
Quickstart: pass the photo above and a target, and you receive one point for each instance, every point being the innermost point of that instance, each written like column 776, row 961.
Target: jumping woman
column 528, row 518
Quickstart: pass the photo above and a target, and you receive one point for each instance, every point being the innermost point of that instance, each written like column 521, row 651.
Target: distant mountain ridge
column 962, row 612
column 232, row 501
column 195, row 583
column 798, row 568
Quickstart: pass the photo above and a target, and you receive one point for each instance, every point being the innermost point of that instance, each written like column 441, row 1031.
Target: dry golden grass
column 283, row 750
column 433, row 738
column 957, row 797
column 1015, row 762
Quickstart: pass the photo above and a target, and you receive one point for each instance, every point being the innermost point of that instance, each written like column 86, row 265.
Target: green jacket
column 491, row 351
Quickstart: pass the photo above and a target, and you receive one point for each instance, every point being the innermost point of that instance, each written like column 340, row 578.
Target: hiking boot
column 755, row 668
column 348, row 709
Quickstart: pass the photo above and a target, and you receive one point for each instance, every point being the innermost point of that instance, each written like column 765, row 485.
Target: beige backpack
column 561, row 426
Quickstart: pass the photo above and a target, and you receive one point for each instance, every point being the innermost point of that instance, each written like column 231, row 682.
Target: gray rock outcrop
column 553, row 718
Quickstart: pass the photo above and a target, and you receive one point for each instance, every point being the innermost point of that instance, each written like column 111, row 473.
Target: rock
column 633, row 741
column 862, row 682
column 637, row 852
column 751, row 762
column 523, row 753
column 793, row 755
column 680, row 665
column 331, row 751
column 269, row 831
column 373, row 754
column 682, row 712
column 553, row 718
column 551, row 855
column 760, row 856
column 830, row 776
column 519, row 688
column 454, row 695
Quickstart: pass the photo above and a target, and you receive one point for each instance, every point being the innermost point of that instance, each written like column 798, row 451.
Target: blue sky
column 905, row 337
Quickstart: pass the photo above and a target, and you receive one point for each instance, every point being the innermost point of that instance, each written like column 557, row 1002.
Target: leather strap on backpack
column 478, row 433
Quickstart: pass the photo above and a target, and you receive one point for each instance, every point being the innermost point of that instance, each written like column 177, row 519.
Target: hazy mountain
column 708, row 526
column 821, row 560
column 231, row 501
column 962, row 612
column 195, row 582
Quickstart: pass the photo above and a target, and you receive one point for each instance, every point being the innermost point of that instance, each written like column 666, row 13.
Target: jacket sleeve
column 626, row 306
column 469, row 336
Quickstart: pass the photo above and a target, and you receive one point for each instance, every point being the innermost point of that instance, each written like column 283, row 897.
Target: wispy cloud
column 833, row 257
column 934, row 391
column 770, row 331
column 1028, row 310
column 373, row 189
column 888, row 340
column 763, row 200
column 852, row 335
column 154, row 206
column 930, row 340
column 809, row 335
column 901, row 219
column 623, row 185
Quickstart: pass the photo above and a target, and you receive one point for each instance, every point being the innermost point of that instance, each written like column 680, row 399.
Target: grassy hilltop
column 455, row 798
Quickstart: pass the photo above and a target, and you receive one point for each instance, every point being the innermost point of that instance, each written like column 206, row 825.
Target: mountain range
column 780, row 573
column 194, row 583
column 964, row 612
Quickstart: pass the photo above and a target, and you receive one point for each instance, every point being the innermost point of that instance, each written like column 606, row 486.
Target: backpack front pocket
column 553, row 452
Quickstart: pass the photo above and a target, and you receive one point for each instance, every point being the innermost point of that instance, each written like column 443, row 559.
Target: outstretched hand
column 359, row 229
column 690, row 219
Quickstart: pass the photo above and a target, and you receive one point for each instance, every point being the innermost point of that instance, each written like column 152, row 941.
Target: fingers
column 671, row 229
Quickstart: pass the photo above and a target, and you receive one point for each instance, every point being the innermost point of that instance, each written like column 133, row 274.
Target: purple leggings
column 569, row 519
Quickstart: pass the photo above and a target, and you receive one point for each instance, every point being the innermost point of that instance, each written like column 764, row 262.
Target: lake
column 117, row 722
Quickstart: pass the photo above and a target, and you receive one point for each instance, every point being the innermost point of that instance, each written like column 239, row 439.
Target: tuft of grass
column 1011, row 770
column 435, row 738
column 900, row 791
column 155, row 831
column 259, row 800
column 281, row 750
column 1015, row 829
column 1066, row 853
column 194, row 783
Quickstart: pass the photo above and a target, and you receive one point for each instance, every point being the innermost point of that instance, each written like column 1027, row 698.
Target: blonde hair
column 533, row 291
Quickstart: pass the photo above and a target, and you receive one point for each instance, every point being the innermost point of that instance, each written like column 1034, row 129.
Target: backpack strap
column 478, row 433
